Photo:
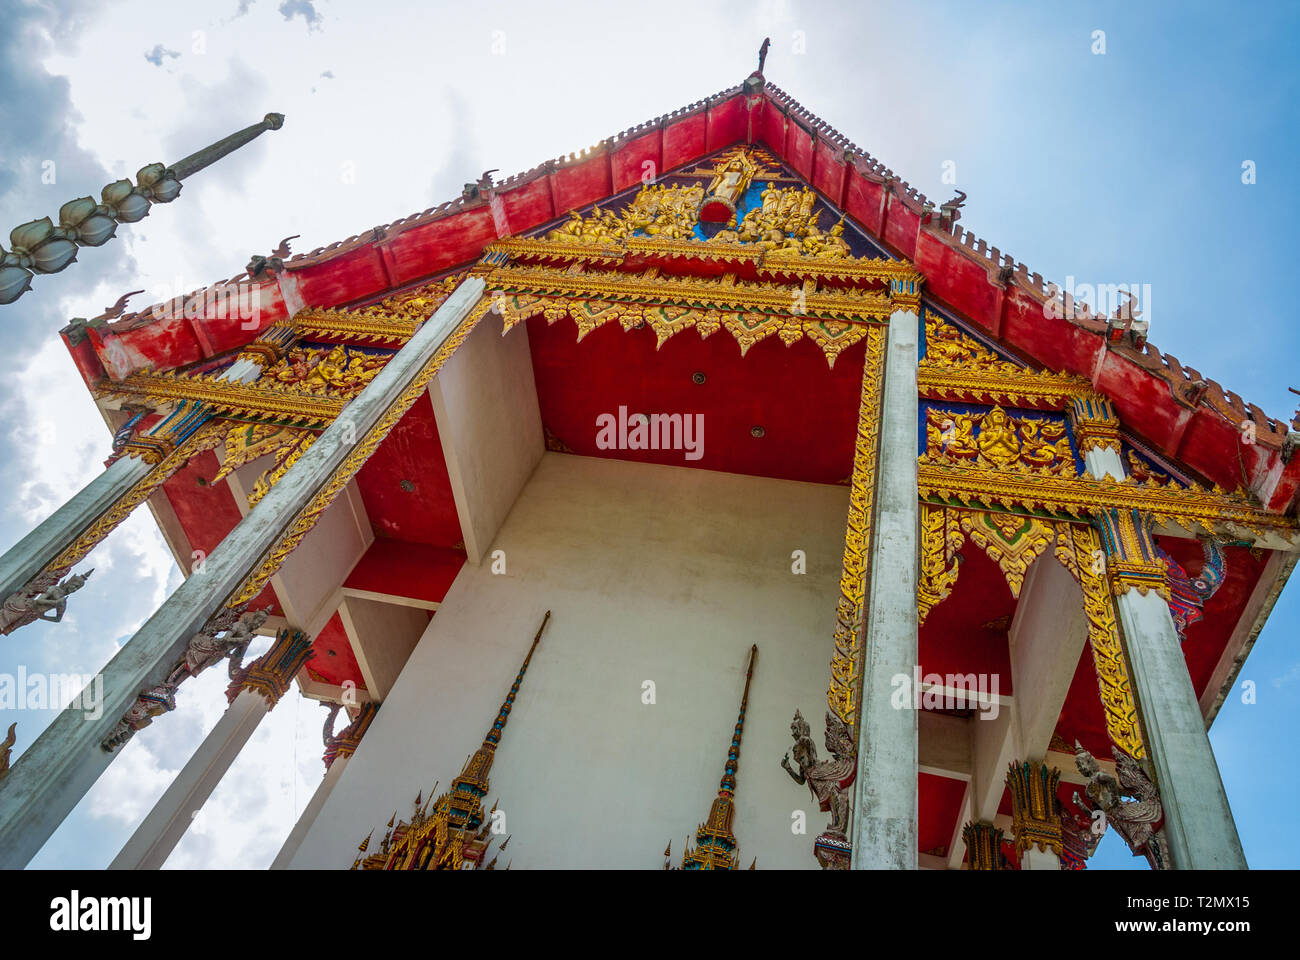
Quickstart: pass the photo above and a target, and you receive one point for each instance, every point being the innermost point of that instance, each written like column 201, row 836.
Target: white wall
column 485, row 405
column 651, row 573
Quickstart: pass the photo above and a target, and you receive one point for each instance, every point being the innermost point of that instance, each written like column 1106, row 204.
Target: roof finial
column 762, row 54
column 40, row 247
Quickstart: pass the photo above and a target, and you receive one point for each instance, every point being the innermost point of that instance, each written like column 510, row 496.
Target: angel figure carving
column 53, row 603
column 1137, row 821
column 206, row 648
column 828, row 780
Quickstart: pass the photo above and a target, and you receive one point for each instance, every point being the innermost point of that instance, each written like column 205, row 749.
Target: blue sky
column 1123, row 167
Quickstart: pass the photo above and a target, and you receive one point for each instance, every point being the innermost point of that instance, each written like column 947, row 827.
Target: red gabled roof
column 1188, row 417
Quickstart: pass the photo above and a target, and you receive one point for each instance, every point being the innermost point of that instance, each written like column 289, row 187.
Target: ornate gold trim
column 1011, row 540
column 1086, row 562
column 205, row 437
column 725, row 293
column 243, row 401
column 846, row 662
column 941, row 538
column 1080, row 497
column 1024, row 388
column 1035, row 806
column 307, row 517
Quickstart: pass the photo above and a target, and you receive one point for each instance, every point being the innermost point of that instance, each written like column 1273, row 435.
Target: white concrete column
column 291, row 845
column 1035, row 859
column 34, row 552
column 1198, row 821
column 1104, row 461
column 156, row 837
column 55, row 772
column 885, row 793
column 30, row 555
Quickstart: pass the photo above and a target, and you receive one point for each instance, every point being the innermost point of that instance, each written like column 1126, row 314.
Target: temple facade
column 711, row 482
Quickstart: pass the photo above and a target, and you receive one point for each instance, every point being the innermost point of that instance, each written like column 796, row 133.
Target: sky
column 1122, row 166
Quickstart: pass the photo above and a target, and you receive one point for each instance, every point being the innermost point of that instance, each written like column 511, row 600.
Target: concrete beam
column 382, row 637
column 485, row 405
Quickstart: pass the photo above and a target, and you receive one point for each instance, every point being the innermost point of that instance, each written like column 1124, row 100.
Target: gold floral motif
column 846, row 662
column 326, row 371
column 1011, row 541
column 246, row 442
column 956, row 366
column 946, row 346
column 1108, row 657
column 1083, row 497
column 285, row 457
column 941, row 538
column 245, row 401
column 307, row 517
column 657, row 210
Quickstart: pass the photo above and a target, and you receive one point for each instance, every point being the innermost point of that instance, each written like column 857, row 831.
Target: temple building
column 715, row 435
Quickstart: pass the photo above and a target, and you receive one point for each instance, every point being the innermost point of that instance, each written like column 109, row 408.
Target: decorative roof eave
column 1214, row 511
column 234, row 400
column 1189, row 418
column 768, row 264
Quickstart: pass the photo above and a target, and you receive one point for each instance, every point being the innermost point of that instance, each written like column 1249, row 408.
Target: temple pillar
column 252, row 694
column 885, row 791
column 30, row 555
column 55, row 772
column 1199, row 825
column 1035, row 814
column 43, row 556
column 338, row 750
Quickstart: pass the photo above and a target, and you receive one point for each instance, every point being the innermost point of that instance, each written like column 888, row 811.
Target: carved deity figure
column 998, row 441
column 1137, row 821
column 730, row 182
column 834, row 246
column 828, row 780
column 206, row 649
column 51, row 604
